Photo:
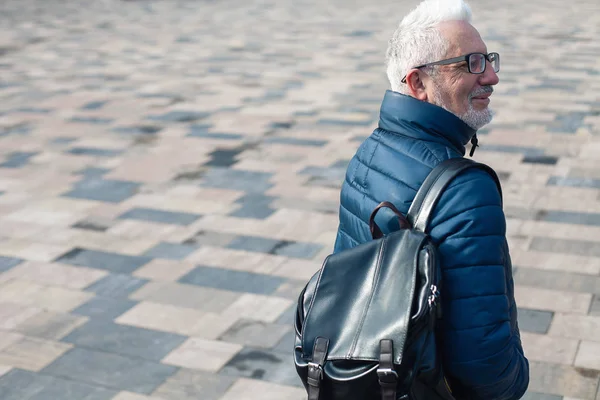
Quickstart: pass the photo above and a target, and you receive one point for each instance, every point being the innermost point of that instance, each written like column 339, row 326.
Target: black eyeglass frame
column 455, row 60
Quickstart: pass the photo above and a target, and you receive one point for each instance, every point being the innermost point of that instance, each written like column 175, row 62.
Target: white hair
column 417, row 40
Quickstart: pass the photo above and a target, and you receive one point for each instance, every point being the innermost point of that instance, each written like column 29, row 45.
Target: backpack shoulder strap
column 430, row 191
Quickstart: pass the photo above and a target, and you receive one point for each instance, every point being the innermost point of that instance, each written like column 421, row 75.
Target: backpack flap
column 362, row 296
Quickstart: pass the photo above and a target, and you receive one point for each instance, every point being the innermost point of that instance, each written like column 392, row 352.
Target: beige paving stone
column 562, row 380
column 250, row 389
column 207, row 355
column 211, row 325
column 49, row 297
column 54, row 274
column 9, row 338
column 50, row 325
column 588, row 355
column 32, row 354
column 555, row 261
column 258, row 307
column 13, row 314
column 560, row 231
column 188, row 296
column 164, row 270
column 134, row 396
column 297, row 269
column 536, row 348
column 162, row 317
column 238, row 260
column 29, row 250
column 552, row 300
column 583, row 327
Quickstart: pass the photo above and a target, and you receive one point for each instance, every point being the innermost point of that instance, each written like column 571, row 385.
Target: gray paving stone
column 7, row 263
column 160, row 216
column 63, row 140
column 540, row 159
column 188, row 384
column 93, row 151
column 209, row 238
column 527, row 151
column 254, row 243
column 171, row 251
column 125, row 340
column 50, row 325
column 288, row 316
column 296, row 141
column 534, row 320
column 237, row 281
column 119, row 263
column 298, row 250
column 567, row 246
column 540, row 396
column 569, row 217
column 179, row 116
column 263, row 364
column 92, row 120
column 138, row 130
column 557, row 280
column 99, row 189
column 573, row 182
column 104, row 308
column 595, row 306
column 18, row 384
column 116, row 285
column 255, row 333
column 94, row 105
column 93, row 172
column 286, row 344
column 247, row 181
column 110, row 370
column 256, row 206
column 17, row 159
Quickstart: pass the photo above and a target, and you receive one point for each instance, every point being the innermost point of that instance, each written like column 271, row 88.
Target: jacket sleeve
column 479, row 335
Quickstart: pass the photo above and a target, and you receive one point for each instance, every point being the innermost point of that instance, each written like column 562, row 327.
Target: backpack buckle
column 315, row 371
column 387, row 376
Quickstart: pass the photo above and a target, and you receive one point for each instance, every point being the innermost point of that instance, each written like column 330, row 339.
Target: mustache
column 480, row 91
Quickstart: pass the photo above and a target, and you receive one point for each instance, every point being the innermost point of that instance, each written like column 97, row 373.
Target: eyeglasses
column 476, row 62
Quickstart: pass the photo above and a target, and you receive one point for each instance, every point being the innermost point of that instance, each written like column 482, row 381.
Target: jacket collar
column 415, row 118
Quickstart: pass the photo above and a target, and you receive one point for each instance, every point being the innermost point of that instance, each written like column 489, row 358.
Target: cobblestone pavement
column 170, row 174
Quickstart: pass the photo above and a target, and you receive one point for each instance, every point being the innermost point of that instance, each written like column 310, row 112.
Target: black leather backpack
column 365, row 323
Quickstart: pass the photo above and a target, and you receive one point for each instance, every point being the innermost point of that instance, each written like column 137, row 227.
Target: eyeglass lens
column 477, row 62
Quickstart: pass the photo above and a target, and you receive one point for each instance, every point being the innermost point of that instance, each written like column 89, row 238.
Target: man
column 441, row 77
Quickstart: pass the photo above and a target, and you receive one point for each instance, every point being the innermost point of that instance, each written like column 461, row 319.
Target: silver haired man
column 442, row 77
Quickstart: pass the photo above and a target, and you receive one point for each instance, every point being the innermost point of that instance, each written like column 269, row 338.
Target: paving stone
column 568, row 246
column 296, row 141
column 50, row 325
column 116, row 285
column 247, row 181
column 534, row 320
column 161, row 216
column 263, row 364
column 32, row 354
column 7, row 263
column 104, row 308
column 179, row 116
column 595, row 306
column 92, row 151
column 569, row 217
column 189, row 384
column 255, row 333
column 94, row 105
column 17, row 159
column 93, row 172
column 92, row 120
column 111, row 191
column 118, row 263
column 238, row 281
column 172, row 251
column 253, row 389
column 207, row 355
column 209, row 238
column 278, row 247
column 18, row 384
column 110, row 370
column 562, row 380
column 557, row 280
column 540, row 159
column 574, row 182
column 124, row 340
column 540, row 396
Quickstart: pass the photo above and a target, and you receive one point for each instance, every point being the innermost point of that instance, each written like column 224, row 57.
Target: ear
column 416, row 85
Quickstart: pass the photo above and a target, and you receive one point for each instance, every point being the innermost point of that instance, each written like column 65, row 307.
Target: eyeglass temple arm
column 443, row 62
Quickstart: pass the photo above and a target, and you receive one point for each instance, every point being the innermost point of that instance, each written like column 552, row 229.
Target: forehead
column 463, row 38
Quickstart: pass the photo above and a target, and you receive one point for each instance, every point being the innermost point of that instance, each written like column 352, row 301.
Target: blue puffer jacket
column 481, row 346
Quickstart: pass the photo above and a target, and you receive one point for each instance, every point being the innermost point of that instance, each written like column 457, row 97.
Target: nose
column 489, row 76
